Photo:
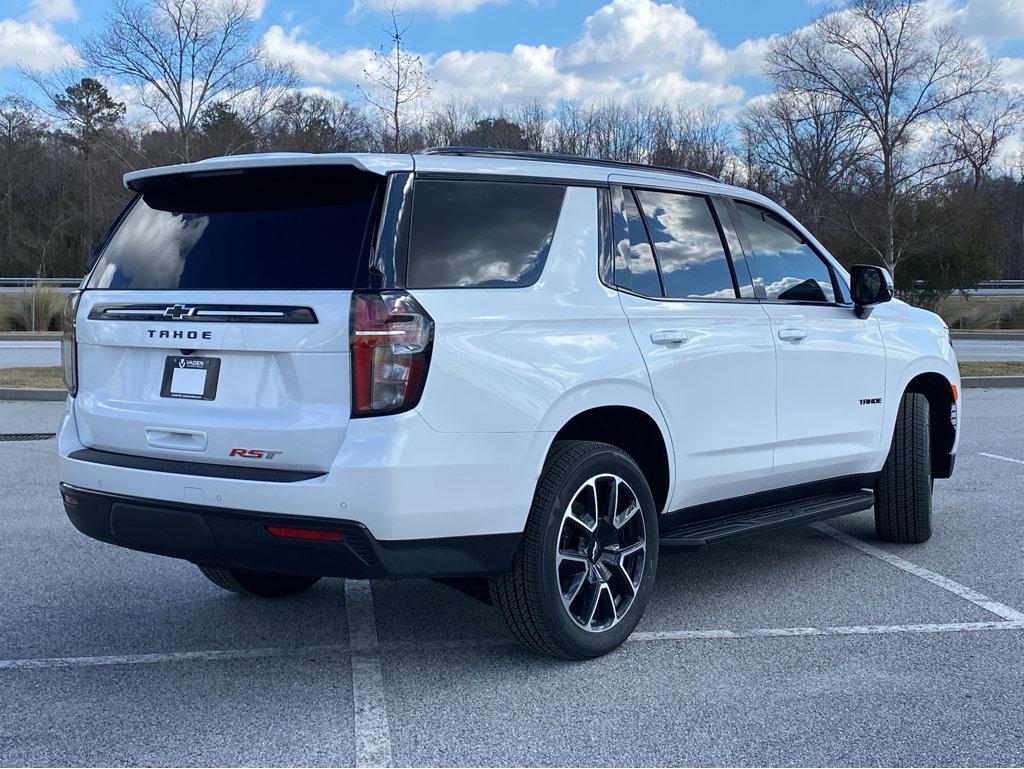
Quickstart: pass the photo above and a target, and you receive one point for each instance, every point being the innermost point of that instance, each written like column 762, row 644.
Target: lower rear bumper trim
column 239, row 540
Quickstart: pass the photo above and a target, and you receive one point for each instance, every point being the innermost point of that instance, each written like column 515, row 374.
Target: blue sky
column 498, row 52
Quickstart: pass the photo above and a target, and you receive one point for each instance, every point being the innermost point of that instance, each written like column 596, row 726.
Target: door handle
column 669, row 338
column 792, row 334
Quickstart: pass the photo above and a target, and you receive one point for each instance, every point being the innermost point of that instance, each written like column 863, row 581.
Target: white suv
column 525, row 375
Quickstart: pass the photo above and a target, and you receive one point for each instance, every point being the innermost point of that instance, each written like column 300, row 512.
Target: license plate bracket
column 190, row 378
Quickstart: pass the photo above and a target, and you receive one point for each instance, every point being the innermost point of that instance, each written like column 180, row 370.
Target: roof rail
column 556, row 157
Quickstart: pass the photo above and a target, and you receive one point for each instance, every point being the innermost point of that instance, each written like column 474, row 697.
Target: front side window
column 635, row 269
column 688, row 245
column 782, row 262
column 481, row 234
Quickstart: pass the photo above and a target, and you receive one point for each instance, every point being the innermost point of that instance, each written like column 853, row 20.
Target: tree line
column 885, row 134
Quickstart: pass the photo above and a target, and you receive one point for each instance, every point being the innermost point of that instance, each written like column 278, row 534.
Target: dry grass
column 49, row 377
column 991, row 368
column 39, row 308
column 982, row 312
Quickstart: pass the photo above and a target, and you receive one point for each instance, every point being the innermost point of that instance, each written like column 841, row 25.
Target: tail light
column 69, row 344
column 391, row 343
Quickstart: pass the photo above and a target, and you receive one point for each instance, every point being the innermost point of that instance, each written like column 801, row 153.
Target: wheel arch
column 633, row 430
column 939, row 392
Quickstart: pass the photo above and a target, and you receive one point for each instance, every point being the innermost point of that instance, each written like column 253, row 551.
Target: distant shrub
column 37, row 309
column 982, row 317
column 1011, row 315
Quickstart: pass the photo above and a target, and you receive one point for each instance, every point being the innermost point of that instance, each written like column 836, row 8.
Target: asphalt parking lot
column 815, row 646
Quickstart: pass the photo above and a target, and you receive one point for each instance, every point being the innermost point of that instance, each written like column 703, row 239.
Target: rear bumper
column 239, row 540
column 394, row 475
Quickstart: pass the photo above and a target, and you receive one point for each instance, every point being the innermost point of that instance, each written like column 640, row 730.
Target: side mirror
column 870, row 285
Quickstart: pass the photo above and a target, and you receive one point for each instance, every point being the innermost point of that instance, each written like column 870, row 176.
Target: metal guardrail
column 30, row 282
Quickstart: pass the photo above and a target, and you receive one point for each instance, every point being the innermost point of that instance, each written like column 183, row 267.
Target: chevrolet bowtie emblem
column 179, row 311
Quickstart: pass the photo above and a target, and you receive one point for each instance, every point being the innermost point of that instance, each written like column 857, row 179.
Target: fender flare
column 931, row 364
column 601, row 394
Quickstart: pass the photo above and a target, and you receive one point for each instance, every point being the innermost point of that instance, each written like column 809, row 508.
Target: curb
column 31, row 394
column 30, row 336
column 992, row 381
column 987, row 336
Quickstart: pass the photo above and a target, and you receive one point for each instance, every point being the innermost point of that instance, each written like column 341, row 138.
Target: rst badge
column 253, row 453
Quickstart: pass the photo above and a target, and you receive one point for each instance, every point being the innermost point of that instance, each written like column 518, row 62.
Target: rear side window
column 782, row 261
column 481, row 234
column 688, row 245
column 635, row 269
column 264, row 229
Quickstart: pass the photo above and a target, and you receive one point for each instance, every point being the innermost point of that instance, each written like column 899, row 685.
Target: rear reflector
column 321, row 535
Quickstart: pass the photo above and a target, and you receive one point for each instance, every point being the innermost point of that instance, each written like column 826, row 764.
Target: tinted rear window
column 477, row 234
column 690, row 250
column 276, row 229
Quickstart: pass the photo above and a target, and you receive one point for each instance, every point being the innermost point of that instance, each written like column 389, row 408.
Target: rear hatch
column 214, row 324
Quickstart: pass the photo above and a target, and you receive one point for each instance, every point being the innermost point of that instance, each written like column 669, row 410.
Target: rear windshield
column 263, row 229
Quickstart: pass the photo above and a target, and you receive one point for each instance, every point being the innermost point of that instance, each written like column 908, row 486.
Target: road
column 43, row 353
column 34, row 353
column 807, row 647
column 989, row 349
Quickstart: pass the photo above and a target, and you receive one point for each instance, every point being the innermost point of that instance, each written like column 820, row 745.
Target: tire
column 259, row 584
column 559, row 552
column 903, row 492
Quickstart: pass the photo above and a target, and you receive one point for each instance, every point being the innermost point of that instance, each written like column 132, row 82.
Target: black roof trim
column 555, row 157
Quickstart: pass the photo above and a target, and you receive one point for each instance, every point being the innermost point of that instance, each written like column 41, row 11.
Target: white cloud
column 313, row 63
column 1012, row 72
column 33, row 45
column 745, row 60
column 644, row 36
column 442, row 8
column 993, row 19
column 53, row 10
column 987, row 21
column 626, row 49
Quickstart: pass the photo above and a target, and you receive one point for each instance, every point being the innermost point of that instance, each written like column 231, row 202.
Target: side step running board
column 697, row 534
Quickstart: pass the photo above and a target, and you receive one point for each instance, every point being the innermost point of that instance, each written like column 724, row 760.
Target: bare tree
column 977, row 128
column 314, row 123
column 532, row 118
column 181, row 56
column 810, row 142
column 451, row 121
column 898, row 74
column 573, row 128
column 396, row 79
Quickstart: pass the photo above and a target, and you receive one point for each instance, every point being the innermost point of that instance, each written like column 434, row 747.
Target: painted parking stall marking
column 968, row 594
column 1004, row 459
column 372, row 733
column 374, row 720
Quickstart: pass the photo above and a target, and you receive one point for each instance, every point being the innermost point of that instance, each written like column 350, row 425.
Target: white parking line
column 375, row 730
column 968, row 594
column 1005, row 459
column 370, row 727
column 789, row 632
column 149, row 659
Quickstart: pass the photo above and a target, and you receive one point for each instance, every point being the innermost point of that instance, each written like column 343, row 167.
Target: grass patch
column 50, row 377
column 991, row 368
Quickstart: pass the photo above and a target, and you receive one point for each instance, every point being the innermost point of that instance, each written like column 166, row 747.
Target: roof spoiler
column 238, row 165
